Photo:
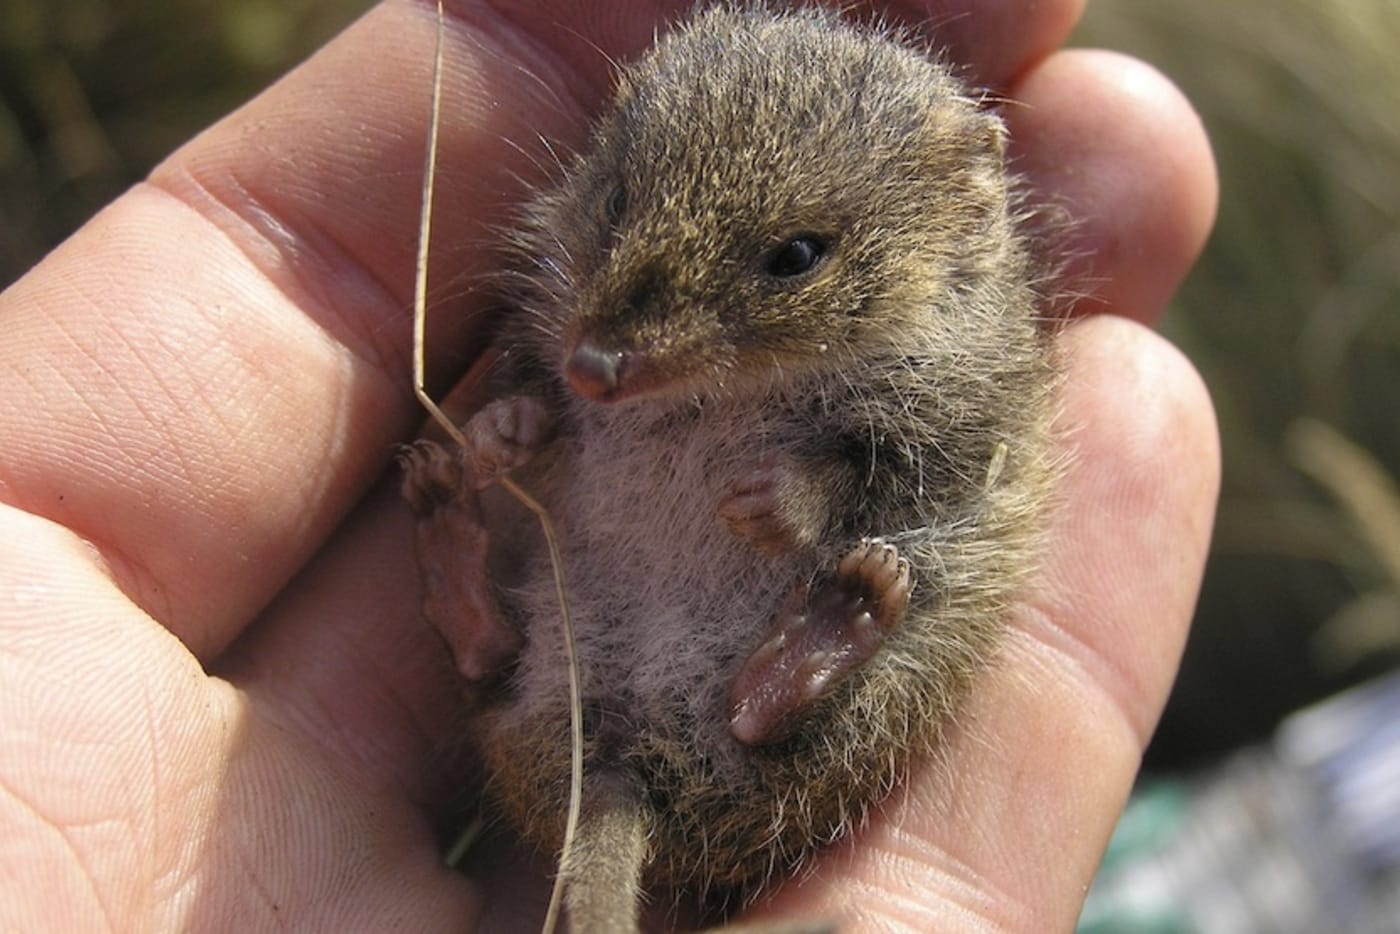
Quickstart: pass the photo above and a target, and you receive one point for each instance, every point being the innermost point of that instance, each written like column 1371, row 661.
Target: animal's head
column 765, row 197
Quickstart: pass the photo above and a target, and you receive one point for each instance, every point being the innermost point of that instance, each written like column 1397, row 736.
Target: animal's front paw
column 818, row 639
column 504, row 435
column 431, row 476
column 765, row 508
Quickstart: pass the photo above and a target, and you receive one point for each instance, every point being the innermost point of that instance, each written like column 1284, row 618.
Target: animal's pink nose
column 594, row 372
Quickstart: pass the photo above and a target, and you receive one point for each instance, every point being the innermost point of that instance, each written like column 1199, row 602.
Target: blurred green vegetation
column 94, row 92
column 1293, row 314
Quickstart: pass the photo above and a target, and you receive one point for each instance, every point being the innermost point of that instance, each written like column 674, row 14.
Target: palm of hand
column 226, row 713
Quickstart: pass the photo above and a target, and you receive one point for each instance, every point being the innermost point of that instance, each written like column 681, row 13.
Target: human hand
column 219, row 708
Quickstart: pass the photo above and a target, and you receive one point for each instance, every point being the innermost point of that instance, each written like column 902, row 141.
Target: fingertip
column 1002, row 40
column 1158, row 398
column 1112, row 142
column 1129, row 540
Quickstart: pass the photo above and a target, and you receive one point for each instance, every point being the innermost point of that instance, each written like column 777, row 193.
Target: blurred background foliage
column 1293, row 314
column 94, row 92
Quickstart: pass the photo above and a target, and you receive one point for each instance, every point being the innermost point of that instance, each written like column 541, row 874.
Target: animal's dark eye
column 797, row 256
column 615, row 205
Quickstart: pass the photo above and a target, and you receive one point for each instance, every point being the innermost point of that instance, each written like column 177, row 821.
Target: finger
column 1116, row 146
column 1006, row 830
column 345, row 660
column 141, row 795
column 992, row 40
column 204, row 378
column 995, row 40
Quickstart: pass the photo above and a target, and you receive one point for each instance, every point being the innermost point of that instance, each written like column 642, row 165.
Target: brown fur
column 903, row 384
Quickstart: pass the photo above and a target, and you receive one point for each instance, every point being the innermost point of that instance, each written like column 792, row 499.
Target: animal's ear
column 994, row 134
column 960, row 132
column 983, row 129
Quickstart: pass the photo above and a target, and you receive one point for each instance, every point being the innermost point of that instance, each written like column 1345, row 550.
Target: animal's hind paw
column 452, row 544
column 818, row 639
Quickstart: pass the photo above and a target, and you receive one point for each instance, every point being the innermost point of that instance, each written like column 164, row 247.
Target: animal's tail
column 603, row 869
